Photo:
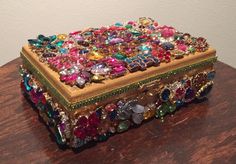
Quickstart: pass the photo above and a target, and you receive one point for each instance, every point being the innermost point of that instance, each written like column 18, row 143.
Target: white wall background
column 24, row 19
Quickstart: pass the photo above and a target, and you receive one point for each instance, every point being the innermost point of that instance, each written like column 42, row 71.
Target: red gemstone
column 80, row 133
column 23, row 87
column 154, row 52
column 187, row 84
column 74, row 33
column 91, row 131
column 82, row 122
column 180, row 92
column 93, row 120
column 43, row 100
column 33, row 96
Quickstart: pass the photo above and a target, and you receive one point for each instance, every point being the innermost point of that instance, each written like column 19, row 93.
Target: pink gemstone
column 167, row 59
column 63, row 77
column 110, row 107
column 118, row 69
column 74, row 33
column 167, row 31
column 182, row 47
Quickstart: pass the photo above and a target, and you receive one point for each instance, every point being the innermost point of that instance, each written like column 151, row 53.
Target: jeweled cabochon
column 94, row 55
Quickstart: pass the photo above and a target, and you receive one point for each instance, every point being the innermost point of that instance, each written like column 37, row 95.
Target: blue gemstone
column 167, row 46
column 113, row 115
column 179, row 103
column 83, row 51
column 211, row 75
column 99, row 112
column 128, row 60
column 189, row 95
column 63, row 50
column 165, row 94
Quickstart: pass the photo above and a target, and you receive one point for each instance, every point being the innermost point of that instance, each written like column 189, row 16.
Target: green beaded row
column 99, row 98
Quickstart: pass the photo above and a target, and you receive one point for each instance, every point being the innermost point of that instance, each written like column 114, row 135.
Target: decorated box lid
column 84, row 67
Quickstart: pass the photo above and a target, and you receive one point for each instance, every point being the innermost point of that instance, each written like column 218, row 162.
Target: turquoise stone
column 118, row 24
column 119, row 56
column 26, row 82
column 63, row 50
column 59, row 43
column 144, row 48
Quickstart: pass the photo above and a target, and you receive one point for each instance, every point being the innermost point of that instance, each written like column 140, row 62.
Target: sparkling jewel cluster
column 117, row 116
column 95, row 54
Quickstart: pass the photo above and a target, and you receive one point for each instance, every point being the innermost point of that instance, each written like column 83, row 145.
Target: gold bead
column 95, row 56
column 61, row 36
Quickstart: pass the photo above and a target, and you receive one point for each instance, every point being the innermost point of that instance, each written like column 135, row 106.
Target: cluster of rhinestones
column 95, row 54
column 117, row 116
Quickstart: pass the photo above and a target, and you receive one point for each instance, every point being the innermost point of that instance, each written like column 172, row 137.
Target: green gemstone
column 123, row 126
column 161, row 112
column 191, row 49
column 59, row 43
column 42, row 38
column 128, row 26
column 51, row 47
column 35, row 43
column 119, row 56
column 172, row 108
column 136, row 33
column 103, row 137
column 52, row 38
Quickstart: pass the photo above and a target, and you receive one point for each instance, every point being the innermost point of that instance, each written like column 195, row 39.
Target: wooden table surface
column 199, row 133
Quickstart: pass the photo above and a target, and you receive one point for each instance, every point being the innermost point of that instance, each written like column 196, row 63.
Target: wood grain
column 199, row 133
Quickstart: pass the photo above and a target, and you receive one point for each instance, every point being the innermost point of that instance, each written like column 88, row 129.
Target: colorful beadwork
column 95, row 54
